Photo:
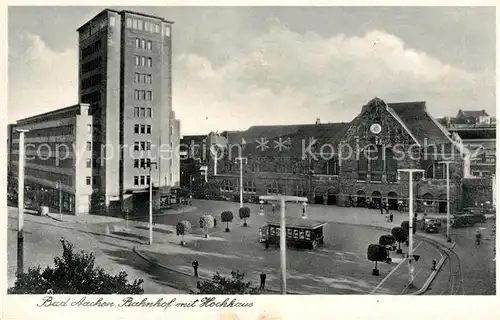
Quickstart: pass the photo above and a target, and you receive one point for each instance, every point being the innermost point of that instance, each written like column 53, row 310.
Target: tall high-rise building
column 125, row 74
column 95, row 156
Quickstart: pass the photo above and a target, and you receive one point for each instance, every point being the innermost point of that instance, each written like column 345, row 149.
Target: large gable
column 420, row 123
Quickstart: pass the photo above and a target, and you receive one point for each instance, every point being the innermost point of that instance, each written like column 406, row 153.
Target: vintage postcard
column 250, row 162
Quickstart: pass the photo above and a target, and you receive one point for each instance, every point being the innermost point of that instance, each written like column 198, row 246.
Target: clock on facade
column 375, row 128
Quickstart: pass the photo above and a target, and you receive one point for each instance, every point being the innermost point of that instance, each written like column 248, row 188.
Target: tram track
column 454, row 284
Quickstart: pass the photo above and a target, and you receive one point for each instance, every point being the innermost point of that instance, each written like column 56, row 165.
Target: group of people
column 263, row 276
column 389, row 216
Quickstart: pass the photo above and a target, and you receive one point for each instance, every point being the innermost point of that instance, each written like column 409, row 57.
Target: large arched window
column 273, row 188
column 391, row 166
column 376, row 154
column 362, row 165
column 436, row 171
column 331, row 167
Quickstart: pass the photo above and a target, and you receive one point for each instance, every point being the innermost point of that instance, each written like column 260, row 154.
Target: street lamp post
column 60, row 206
column 150, row 164
column 240, row 159
column 283, row 199
column 448, row 204
column 410, row 221
column 20, row 204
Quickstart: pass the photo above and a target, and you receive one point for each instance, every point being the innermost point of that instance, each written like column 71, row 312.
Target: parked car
column 431, row 225
column 465, row 220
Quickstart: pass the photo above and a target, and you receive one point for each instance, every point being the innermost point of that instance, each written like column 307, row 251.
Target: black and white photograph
column 246, row 150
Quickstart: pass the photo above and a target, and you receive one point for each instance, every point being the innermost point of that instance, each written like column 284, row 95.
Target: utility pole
column 448, row 204
column 150, row 164
column 283, row 199
column 240, row 159
column 20, row 204
column 60, row 200
column 410, row 222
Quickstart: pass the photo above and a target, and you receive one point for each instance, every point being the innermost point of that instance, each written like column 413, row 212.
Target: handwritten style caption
column 138, row 302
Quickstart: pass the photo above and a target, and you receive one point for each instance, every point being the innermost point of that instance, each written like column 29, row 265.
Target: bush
column 74, row 273
column 387, row 240
column 244, row 214
column 183, row 228
column 376, row 253
column 223, row 285
column 227, row 216
column 400, row 235
column 206, row 222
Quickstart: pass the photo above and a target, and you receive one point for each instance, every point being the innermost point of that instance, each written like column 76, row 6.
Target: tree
column 183, row 228
column 387, row 241
column 376, row 253
column 206, row 222
column 227, row 216
column 74, row 273
column 400, row 235
column 223, row 285
column 244, row 214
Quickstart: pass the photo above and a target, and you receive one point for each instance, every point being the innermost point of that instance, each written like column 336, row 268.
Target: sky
column 235, row 67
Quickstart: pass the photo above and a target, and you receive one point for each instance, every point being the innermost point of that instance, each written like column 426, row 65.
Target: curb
column 142, row 256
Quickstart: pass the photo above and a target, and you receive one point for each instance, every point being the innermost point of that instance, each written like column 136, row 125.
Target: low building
column 347, row 164
column 58, row 158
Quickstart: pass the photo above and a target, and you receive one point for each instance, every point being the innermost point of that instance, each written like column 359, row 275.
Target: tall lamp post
column 20, row 204
column 241, row 159
column 410, row 222
column 58, row 183
column 448, row 205
column 283, row 199
column 150, row 165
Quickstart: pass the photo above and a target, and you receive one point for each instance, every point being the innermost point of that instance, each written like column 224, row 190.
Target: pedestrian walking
column 381, row 205
column 434, row 262
column 195, row 267
column 267, row 244
column 262, row 281
column 391, row 216
column 387, row 208
column 215, row 222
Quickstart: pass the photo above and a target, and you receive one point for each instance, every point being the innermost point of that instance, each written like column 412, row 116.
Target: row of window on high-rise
column 143, row 44
column 91, row 81
column 143, row 95
column 142, row 61
column 142, row 112
column 142, row 145
column 142, row 163
column 92, row 65
column 143, row 78
column 96, row 27
column 141, row 180
column 142, row 129
column 141, row 25
column 92, row 97
column 91, row 48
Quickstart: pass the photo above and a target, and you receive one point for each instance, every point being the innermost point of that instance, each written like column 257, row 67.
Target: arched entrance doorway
column 361, row 199
column 376, row 199
column 318, row 197
column 442, row 204
column 332, row 197
column 392, row 200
